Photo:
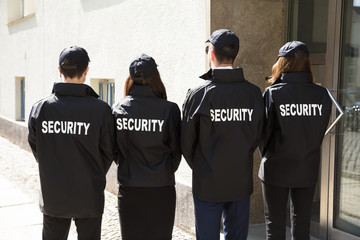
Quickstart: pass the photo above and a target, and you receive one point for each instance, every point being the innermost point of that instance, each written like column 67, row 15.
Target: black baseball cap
column 223, row 37
column 143, row 64
column 290, row 49
column 77, row 56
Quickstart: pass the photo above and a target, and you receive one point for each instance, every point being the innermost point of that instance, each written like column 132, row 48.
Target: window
column 107, row 92
column 105, row 88
column 20, row 98
column 308, row 23
column 20, row 9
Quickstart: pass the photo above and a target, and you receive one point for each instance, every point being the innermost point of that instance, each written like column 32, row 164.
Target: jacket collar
column 224, row 75
column 72, row 89
column 296, row 77
column 141, row 90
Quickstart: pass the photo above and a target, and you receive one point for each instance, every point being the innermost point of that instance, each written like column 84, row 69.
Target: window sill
column 21, row 19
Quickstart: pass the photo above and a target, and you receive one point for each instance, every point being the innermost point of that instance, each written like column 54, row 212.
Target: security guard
column 221, row 127
column 71, row 134
column 148, row 145
column 297, row 114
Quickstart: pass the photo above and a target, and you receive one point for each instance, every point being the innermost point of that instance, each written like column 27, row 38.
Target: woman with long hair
column 148, row 154
column 297, row 114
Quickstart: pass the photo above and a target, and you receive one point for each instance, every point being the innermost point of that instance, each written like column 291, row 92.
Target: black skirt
column 146, row 212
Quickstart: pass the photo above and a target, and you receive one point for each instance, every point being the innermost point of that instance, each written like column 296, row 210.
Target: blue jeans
column 235, row 219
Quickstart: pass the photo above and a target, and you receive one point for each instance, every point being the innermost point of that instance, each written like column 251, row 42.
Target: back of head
column 73, row 61
column 225, row 45
column 293, row 57
column 143, row 71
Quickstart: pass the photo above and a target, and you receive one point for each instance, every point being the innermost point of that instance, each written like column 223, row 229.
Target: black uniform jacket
column 221, row 127
column 148, row 139
column 71, row 134
column 297, row 115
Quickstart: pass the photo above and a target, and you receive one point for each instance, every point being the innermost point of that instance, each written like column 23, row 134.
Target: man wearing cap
column 221, row 127
column 71, row 134
column 297, row 115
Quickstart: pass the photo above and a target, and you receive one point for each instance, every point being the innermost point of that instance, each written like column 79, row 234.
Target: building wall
column 259, row 25
column 113, row 33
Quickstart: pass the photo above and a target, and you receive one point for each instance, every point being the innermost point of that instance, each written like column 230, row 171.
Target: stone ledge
column 15, row 132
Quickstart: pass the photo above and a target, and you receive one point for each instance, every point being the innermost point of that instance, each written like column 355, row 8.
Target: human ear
column 212, row 55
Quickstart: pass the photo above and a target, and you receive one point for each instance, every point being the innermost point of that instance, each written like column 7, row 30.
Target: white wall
column 113, row 32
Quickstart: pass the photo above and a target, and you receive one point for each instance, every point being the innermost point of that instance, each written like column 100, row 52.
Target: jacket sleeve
column 107, row 139
column 120, row 139
column 174, row 137
column 260, row 124
column 33, row 117
column 190, row 127
column 269, row 117
column 32, row 129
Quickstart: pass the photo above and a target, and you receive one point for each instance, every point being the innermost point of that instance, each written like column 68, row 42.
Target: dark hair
column 153, row 81
column 227, row 54
column 68, row 70
column 290, row 64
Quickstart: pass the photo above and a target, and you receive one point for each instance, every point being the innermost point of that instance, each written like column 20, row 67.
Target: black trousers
column 58, row 228
column 275, row 202
column 147, row 212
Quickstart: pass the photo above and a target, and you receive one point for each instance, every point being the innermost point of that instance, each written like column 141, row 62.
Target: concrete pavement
column 20, row 217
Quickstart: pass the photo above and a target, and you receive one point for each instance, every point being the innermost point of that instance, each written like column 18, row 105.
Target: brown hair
column 290, row 64
column 72, row 72
column 153, row 81
column 227, row 54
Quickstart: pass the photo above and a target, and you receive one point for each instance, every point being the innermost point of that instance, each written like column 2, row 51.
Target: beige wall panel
column 259, row 25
